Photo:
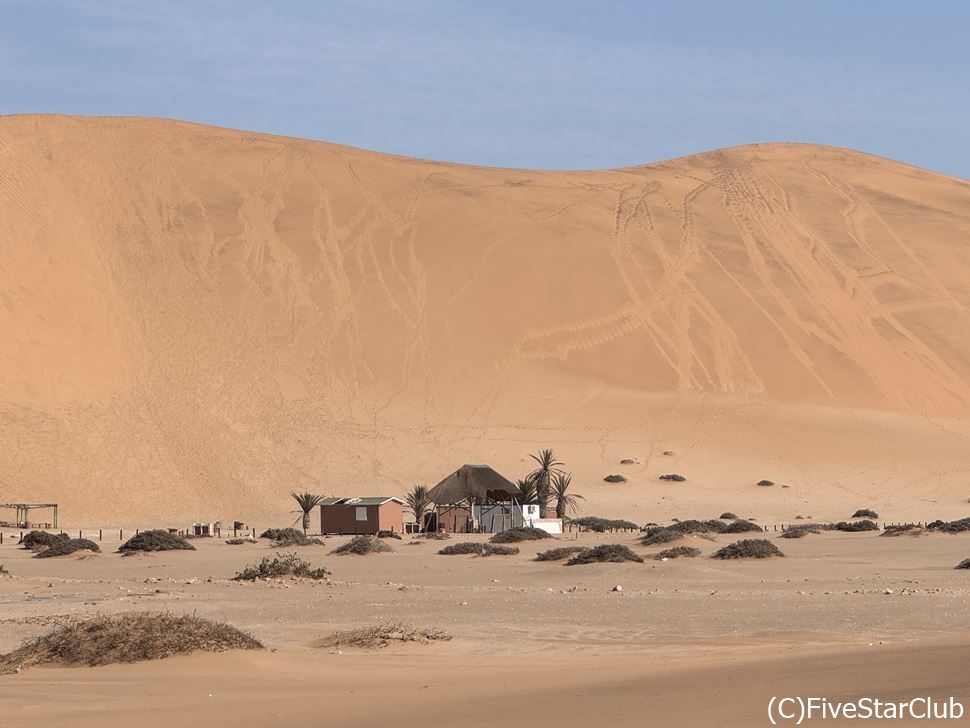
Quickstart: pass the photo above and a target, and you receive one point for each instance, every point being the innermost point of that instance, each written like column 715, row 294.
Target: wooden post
column 100, row 535
column 121, row 535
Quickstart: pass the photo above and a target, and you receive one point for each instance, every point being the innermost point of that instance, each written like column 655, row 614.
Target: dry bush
column 279, row 566
column 373, row 638
column 854, row 526
column 664, row 535
column 959, row 526
column 389, row 534
column 749, row 548
column 435, row 535
column 363, row 545
column 558, row 554
column 605, row 553
column 742, row 526
column 238, row 541
column 675, row 477
column 38, row 540
column 601, row 525
column 3, row 571
column 125, row 638
column 678, row 552
column 728, row 516
column 801, row 531
column 156, row 541
column 614, row 478
column 516, row 535
column 65, row 548
column 904, row 529
column 479, row 549
column 865, row 513
column 965, row 564
column 765, row 483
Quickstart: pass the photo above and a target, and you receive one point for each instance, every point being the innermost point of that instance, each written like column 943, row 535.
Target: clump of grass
column 959, row 526
column 516, row 535
column 156, row 541
column 615, row 478
column 39, row 540
column 375, row 638
column 800, row 531
column 965, row 564
column 558, row 554
column 865, row 513
column 664, row 535
column 601, row 525
column 749, row 548
column 605, row 553
column 742, row 526
column 275, row 534
column 283, row 537
column 678, row 552
column 65, row 548
column 125, row 638
column 854, row 526
column 766, row 483
column 479, row 549
column 675, row 477
column 363, row 545
column 728, row 516
column 279, row 566
column 904, row 529
column 691, row 525
column 435, row 535
column 389, row 534
column 3, row 571
column 238, row 541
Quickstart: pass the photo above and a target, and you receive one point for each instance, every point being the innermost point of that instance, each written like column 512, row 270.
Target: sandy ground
column 699, row 641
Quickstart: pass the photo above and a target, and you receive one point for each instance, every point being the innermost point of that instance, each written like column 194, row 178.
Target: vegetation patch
column 614, row 478
column 479, row 549
column 865, row 513
column 39, row 540
column 965, row 564
column 3, row 571
column 389, row 534
column 675, row 477
column 65, row 548
column 605, row 553
column 238, row 541
column 435, row 535
column 749, row 548
column 156, row 541
column 766, row 483
column 678, row 552
column 515, row 535
column 742, row 526
column 664, row 535
column 126, row 638
column 558, row 554
column 853, row 526
column 601, row 525
column 362, row 546
column 960, row 526
column 279, row 566
column 375, row 638
column 801, row 531
column 728, row 516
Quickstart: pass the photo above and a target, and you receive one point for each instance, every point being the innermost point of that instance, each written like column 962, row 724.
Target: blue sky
column 548, row 84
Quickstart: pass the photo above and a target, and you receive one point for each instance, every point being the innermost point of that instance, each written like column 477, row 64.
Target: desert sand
column 196, row 320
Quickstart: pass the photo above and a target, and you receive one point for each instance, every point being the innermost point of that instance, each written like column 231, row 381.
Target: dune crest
column 194, row 317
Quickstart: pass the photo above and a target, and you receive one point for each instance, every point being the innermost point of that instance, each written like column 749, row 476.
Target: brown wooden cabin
column 361, row 515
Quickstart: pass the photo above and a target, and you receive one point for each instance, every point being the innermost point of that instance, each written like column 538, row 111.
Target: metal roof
column 377, row 500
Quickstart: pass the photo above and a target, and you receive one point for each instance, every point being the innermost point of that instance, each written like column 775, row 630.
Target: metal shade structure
column 478, row 483
column 23, row 511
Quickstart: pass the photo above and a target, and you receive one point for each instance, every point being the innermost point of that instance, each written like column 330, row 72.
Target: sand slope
column 194, row 320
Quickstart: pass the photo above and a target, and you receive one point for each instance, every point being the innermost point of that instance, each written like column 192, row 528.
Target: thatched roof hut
column 478, row 482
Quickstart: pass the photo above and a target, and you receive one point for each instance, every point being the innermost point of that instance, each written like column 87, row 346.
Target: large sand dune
column 196, row 320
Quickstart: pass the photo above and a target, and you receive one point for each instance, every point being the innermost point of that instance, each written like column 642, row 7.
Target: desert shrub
column 479, row 549
column 800, row 531
column 238, row 541
column 662, row 535
column 692, row 525
column 865, row 513
column 959, row 526
column 742, row 526
column 614, row 478
column 605, row 553
column 903, row 529
column 3, row 571
column 728, row 516
column 300, row 539
column 766, row 483
column 281, row 565
column 389, row 534
column 965, row 564
column 382, row 636
column 558, row 554
column 515, row 535
column 192, row 536
column 435, row 535
column 749, row 548
column 363, row 545
column 678, row 552
column 675, row 477
column 853, row 526
column 601, row 525
column 65, row 548
column 37, row 540
column 156, row 541
column 125, row 638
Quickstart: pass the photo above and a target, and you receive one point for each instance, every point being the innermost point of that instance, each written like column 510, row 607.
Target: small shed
column 361, row 515
column 476, row 498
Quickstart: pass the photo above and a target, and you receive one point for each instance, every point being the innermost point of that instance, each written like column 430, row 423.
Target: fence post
column 100, row 535
column 121, row 535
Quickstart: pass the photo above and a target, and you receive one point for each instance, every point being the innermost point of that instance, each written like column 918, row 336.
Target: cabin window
column 361, row 513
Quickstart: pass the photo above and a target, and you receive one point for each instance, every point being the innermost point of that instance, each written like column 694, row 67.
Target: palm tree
column 307, row 502
column 548, row 465
column 418, row 502
column 527, row 490
column 565, row 502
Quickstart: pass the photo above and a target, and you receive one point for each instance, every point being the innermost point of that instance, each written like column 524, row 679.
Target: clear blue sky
column 549, row 83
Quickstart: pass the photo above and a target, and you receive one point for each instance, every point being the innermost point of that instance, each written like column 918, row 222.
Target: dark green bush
column 749, row 548
column 558, row 554
column 156, row 541
column 605, row 553
column 37, row 540
column 601, row 525
column 865, row 513
column 742, row 526
column 281, row 565
column 965, row 564
column 65, row 548
column 664, row 535
column 479, row 549
column 727, row 516
column 678, row 552
column 515, row 535
column 853, row 526
column 363, row 545
column 959, row 526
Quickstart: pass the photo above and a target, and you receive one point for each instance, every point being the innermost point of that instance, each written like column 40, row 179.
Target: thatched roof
column 473, row 481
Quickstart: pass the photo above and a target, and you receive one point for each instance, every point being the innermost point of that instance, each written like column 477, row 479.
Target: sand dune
column 196, row 320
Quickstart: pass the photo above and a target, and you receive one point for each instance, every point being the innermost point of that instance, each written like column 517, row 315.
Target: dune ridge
column 198, row 319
